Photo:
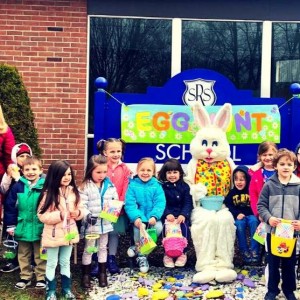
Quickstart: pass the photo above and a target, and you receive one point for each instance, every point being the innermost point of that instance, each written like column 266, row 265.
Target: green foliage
column 16, row 108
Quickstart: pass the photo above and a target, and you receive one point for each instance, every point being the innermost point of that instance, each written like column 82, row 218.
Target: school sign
column 160, row 123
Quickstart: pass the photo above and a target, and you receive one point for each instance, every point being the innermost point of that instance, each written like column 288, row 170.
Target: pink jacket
column 120, row 178
column 255, row 187
column 55, row 231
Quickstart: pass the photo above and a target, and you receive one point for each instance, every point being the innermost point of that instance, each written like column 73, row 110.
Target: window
column 230, row 48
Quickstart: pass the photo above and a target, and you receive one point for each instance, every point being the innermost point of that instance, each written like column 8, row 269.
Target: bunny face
column 210, row 142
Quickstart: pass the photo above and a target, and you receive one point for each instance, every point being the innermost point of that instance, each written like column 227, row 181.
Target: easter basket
column 91, row 245
column 111, row 210
column 283, row 241
column 146, row 243
column 260, row 233
column 10, row 247
column 212, row 202
column 173, row 242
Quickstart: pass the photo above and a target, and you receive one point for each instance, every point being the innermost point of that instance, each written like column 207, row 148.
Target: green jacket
column 21, row 206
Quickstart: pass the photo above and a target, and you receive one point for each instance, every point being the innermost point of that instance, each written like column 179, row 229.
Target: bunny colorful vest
column 215, row 176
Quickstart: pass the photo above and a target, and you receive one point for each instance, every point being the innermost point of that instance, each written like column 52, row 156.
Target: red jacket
column 7, row 141
column 255, row 187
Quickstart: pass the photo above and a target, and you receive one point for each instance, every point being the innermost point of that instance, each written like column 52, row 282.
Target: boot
column 86, row 278
column 102, row 275
column 66, row 288
column 112, row 265
column 50, row 289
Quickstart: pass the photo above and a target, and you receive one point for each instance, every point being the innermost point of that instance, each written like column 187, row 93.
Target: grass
column 8, row 281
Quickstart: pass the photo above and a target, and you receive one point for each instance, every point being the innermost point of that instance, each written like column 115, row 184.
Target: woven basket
column 174, row 246
column 212, row 202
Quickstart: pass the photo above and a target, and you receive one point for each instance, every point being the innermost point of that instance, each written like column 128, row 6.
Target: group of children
column 41, row 211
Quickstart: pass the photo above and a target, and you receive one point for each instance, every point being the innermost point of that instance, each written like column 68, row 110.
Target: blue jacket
column 20, row 209
column 144, row 199
column 179, row 200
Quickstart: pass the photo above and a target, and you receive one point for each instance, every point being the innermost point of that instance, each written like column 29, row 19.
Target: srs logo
column 199, row 90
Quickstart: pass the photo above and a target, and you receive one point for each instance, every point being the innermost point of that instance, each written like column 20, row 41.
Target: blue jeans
column 59, row 255
column 241, row 226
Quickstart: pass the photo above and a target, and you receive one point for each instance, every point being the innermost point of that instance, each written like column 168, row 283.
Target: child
column 238, row 204
column 59, row 209
column 22, row 222
column 95, row 191
column 145, row 203
column 119, row 174
column 279, row 198
column 14, row 171
column 179, row 203
column 265, row 153
column 297, row 152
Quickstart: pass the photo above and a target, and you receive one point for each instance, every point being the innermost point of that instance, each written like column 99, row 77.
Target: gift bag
column 153, row 234
column 283, row 241
column 260, row 233
column 146, row 243
column 111, row 210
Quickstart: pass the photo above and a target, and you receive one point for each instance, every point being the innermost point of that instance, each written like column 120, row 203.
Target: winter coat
column 178, row 200
column 93, row 200
column 238, row 201
column 279, row 200
column 20, row 209
column 144, row 199
column 120, row 178
column 7, row 141
column 255, row 187
column 56, row 228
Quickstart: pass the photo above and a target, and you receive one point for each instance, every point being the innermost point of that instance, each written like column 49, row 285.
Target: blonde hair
column 149, row 159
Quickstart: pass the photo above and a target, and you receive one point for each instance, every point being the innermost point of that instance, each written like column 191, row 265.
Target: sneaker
column 143, row 264
column 247, row 257
column 168, row 262
column 270, row 296
column 51, row 297
column 10, row 267
column 40, row 284
column 131, row 252
column 112, row 265
column 255, row 257
column 22, row 284
column 181, row 260
column 290, row 296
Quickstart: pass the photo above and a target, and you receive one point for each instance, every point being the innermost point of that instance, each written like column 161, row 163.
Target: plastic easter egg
column 143, row 292
column 113, row 297
column 214, row 294
column 160, row 295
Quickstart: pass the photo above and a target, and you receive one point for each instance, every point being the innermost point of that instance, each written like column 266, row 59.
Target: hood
column 245, row 170
column 15, row 150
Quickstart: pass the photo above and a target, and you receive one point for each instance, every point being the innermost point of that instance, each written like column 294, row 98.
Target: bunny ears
column 221, row 120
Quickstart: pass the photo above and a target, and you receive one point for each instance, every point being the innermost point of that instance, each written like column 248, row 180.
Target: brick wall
column 47, row 41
